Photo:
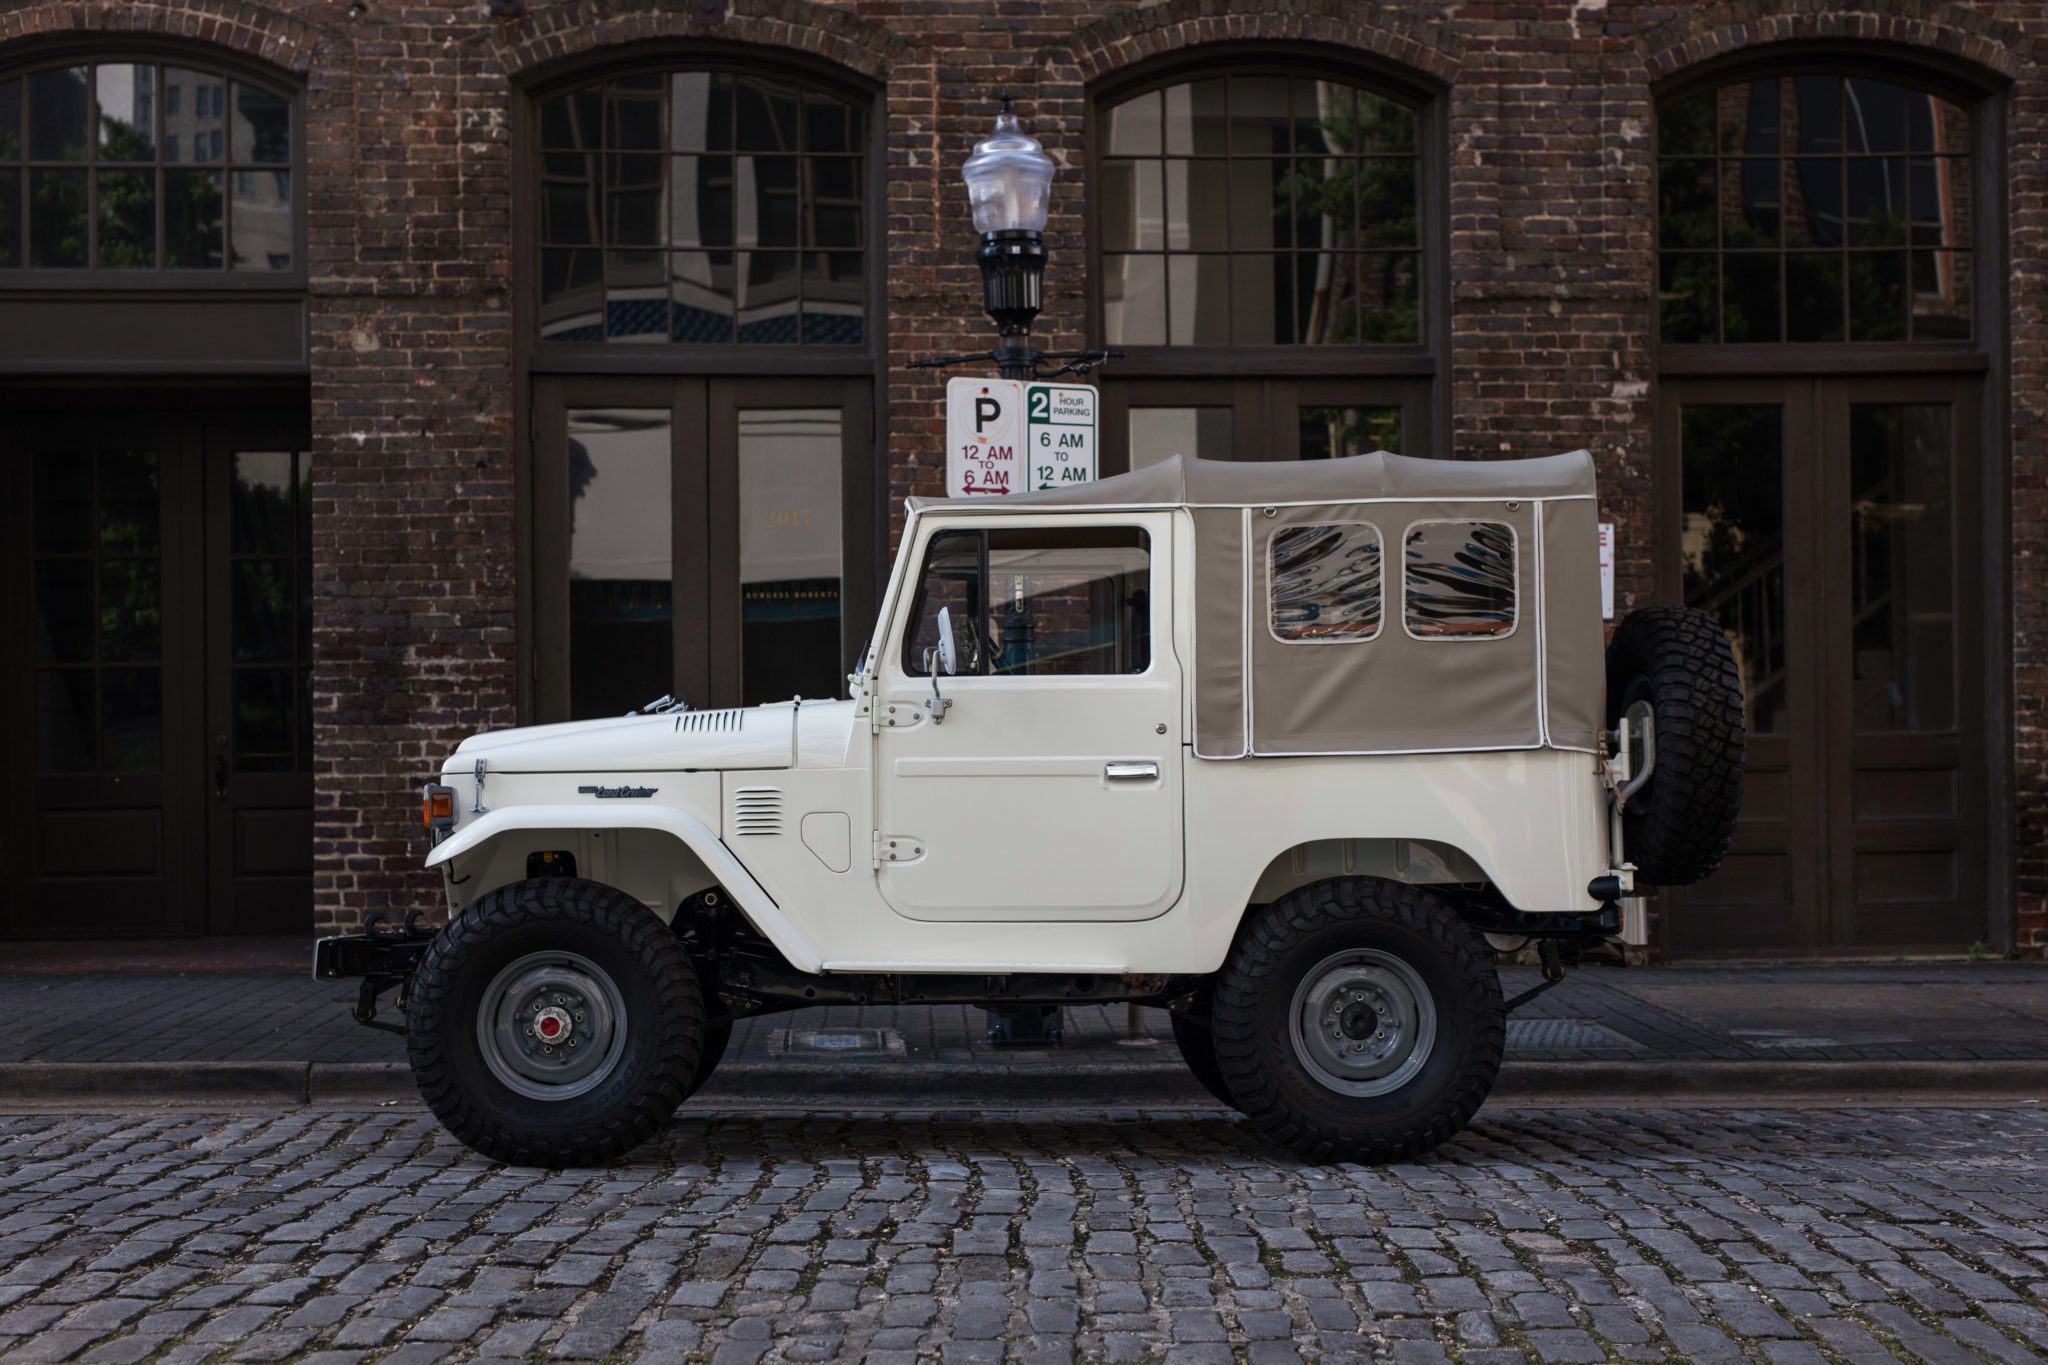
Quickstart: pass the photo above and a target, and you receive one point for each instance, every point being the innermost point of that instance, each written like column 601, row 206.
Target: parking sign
column 1003, row 435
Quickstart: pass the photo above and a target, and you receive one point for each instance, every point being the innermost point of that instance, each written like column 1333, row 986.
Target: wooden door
column 1828, row 524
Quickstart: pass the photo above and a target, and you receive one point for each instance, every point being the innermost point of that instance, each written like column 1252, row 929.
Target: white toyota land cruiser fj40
column 1281, row 747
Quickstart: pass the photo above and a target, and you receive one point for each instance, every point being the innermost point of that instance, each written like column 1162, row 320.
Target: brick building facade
column 383, row 326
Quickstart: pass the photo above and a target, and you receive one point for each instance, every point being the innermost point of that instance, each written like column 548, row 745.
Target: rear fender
column 472, row 845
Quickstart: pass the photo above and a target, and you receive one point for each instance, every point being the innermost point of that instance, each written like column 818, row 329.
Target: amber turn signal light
column 437, row 807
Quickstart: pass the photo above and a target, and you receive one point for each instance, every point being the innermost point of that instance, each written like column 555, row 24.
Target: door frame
column 1820, row 815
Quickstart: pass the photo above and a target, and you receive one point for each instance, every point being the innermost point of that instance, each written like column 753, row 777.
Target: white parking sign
column 1003, row 435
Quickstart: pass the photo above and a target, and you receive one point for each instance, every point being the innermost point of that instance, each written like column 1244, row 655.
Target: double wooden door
column 162, row 785
column 715, row 539
column 1835, row 528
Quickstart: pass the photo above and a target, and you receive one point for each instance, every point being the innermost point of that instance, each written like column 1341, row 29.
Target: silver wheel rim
column 552, row 1026
column 1363, row 1023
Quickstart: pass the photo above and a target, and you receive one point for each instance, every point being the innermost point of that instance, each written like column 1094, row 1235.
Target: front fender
column 766, row 917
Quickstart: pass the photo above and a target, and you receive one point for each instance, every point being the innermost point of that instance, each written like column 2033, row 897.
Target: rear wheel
column 1358, row 1020
column 554, row 1023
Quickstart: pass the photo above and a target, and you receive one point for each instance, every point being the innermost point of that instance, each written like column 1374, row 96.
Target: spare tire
column 1676, row 826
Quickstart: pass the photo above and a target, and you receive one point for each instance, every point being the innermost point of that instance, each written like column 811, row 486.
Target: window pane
column 63, row 510
column 10, row 120
column 1687, row 127
column 1259, row 202
column 700, row 296
column 1940, row 197
column 59, row 107
column 1875, row 116
column 1458, row 579
column 636, row 287
column 56, row 220
column 768, row 288
column 10, row 217
column 1941, row 295
column 260, row 516
column 633, row 114
column 1749, row 217
column 1813, row 200
column 1935, row 125
column 950, row 583
column 1134, row 126
column 1331, row 432
column 832, row 197
column 1733, row 543
column 127, row 107
column 1325, row 118
column 1326, row 194
column 195, row 116
column 1199, row 290
column 1194, row 190
column 265, row 699
column 1259, row 116
column 1902, row 571
column 1383, row 125
column 1685, row 203
column 1749, row 296
column 1261, row 300
column 1068, row 602
column 1877, row 295
column 790, row 462
column 131, row 720
column 692, row 98
column 1160, row 433
column 1748, row 118
column 1816, row 115
column 621, row 626
column 833, row 286
column 573, row 122
column 768, row 202
column 701, row 201
column 1389, row 301
column 1194, row 118
column 1325, row 583
column 1387, row 197
column 766, row 120
column 262, row 131
column 1813, row 296
column 64, row 726
column 569, row 200
column 129, row 511
column 833, row 125
column 193, row 231
column 634, row 202
column 130, row 611
column 1134, row 300
column 1133, row 206
column 261, row 222
column 572, row 295
column 127, row 219
column 64, row 611
column 1877, row 201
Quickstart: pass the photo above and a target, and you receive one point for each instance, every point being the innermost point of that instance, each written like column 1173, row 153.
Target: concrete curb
column 824, row 1085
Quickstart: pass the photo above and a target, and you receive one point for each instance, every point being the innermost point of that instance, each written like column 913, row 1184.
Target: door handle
column 1130, row 772
column 220, row 776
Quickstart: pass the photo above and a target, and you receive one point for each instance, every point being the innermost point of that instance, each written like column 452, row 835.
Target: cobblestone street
column 1555, row 1235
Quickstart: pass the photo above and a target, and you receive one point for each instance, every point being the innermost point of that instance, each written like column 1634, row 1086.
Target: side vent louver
column 757, row 810
column 708, row 722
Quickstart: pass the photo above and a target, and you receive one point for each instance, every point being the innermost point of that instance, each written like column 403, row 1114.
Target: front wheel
column 555, row 1023
column 1358, row 1020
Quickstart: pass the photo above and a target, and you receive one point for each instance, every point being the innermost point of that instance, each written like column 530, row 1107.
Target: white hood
column 745, row 737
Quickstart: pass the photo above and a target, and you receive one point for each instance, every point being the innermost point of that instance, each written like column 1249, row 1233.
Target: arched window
column 703, row 207
column 130, row 166
column 1814, row 208
column 1259, row 210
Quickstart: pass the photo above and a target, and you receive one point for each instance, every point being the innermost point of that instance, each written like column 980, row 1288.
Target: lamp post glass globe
column 1009, row 179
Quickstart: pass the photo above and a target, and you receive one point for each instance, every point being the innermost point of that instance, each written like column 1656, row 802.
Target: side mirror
column 949, row 649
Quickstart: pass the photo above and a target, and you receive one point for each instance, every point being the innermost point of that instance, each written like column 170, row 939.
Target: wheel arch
column 657, row 854
column 1413, row 862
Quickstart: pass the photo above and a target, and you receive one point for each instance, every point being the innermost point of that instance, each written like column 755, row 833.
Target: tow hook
column 1553, row 972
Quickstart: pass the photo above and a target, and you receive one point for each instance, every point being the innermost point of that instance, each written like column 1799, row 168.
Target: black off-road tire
column 1676, row 827
column 1257, row 1055
column 1198, row 1049
column 663, row 1016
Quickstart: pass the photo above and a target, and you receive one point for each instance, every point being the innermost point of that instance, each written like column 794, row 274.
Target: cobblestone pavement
column 1845, row 1235
column 1986, row 1011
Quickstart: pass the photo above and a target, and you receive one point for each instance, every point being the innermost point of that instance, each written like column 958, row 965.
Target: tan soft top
column 1183, row 481
column 1539, row 685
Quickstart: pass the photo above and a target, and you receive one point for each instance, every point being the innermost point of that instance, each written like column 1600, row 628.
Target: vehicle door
column 1042, row 781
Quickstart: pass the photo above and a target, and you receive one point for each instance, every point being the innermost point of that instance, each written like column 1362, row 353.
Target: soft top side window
column 1324, row 583
column 1458, row 580
column 1037, row 601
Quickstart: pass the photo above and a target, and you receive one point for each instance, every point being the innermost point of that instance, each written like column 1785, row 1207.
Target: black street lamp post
column 1009, row 187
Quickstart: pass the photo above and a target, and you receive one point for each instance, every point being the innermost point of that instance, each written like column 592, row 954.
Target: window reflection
column 1159, row 433
column 791, row 560
column 1902, row 568
column 1733, row 542
column 621, row 560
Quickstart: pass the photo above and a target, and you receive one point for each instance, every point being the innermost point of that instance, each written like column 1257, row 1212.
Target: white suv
column 1279, row 747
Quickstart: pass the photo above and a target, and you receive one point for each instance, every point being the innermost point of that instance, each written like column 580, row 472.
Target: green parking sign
column 1059, row 434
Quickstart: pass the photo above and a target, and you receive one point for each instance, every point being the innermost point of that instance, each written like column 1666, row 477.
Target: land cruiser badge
column 602, row 792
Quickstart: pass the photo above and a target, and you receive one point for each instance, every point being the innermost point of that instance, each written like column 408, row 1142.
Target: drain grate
column 1534, row 1034
column 842, row 1042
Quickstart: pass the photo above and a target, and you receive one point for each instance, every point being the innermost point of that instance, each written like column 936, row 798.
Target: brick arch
column 248, row 28
column 1139, row 35
column 562, row 33
column 1996, row 50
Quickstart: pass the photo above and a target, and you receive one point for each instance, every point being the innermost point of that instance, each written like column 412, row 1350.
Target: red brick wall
column 1551, row 280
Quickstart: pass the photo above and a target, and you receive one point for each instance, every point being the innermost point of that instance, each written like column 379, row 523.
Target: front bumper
column 379, row 960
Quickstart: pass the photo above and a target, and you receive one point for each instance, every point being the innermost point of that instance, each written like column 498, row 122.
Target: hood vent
column 757, row 810
column 708, row 722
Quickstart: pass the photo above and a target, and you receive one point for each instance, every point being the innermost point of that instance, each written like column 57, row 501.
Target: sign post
column 1004, row 435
